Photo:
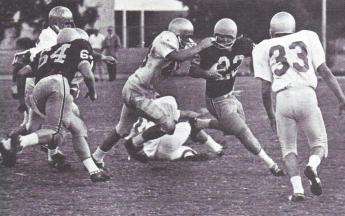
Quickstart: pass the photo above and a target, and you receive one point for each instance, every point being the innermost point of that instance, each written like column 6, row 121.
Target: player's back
column 62, row 59
column 292, row 59
column 155, row 65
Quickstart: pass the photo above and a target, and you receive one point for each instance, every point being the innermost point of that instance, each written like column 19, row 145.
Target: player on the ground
column 163, row 57
column 172, row 147
column 225, row 57
column 54, row 69
column 287, row 63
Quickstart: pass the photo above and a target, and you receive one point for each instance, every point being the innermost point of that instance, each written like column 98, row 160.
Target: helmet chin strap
column 224, row 46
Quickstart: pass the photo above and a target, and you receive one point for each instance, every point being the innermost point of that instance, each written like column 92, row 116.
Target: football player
column 54, row 69
column 59, row 18
column 225, row 56
column 172, row 147
column 287, row 63
column 163, row 57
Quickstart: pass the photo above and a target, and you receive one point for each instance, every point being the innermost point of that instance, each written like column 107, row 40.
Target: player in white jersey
column 163, row 57
column 172, row 147
column 287, row 64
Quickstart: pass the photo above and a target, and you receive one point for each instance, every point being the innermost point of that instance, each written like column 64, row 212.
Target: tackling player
column 225, row 56
column 54, row 69
column 287, row 63
column 163, row 57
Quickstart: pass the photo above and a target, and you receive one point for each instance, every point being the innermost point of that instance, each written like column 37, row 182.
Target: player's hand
column 92, row 96
column 110, row 59
column 207, row 42
column 213, row 72
column 341, row 107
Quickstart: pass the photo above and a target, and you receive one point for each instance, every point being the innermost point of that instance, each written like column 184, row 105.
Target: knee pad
column 233, row 124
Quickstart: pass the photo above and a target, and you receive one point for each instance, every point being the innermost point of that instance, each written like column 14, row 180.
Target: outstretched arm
column 333, row 84
column 185, row 54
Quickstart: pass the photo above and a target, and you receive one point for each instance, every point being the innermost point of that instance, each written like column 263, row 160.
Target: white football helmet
column 61, row 17
column 67, row 35
column 183, row 29
column 282, row 22
column 83, row 34
column 225, row 32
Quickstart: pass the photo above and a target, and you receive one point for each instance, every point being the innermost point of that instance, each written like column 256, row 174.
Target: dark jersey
column 229, row 60
column 61, row 59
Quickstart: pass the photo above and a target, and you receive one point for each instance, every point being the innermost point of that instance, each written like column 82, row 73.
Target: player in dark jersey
column 225, row 57
column 54, row 69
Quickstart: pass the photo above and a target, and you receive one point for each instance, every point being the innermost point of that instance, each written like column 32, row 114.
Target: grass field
column 235, row 184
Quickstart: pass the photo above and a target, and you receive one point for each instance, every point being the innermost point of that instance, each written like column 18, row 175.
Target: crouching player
column 54, row 69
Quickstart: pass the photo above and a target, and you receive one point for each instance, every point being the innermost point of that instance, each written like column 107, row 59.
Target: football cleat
column 9, row 157
column 297, row 197
column 314, row 180
column 59, row 162
column 136, row 152
column 276, row 171
column 99, row 176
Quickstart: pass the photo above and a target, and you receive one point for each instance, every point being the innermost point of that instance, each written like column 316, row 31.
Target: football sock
column 202, row 123
column 110, row 141
column 153, row 132
column 98, row 155
column 28, row 140
column 314, row 162
column 90, row 165
column 267, row 159
column 52, row 152
column 297, row 186
column 210, row 142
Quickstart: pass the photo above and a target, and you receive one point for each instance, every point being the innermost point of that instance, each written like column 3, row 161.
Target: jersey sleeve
column 260, row 63
column 316, row 49
column 82, row 51
column 166, row 44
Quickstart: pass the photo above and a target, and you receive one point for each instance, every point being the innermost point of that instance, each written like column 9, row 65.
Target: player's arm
column 21, row 79
column 185, row 54
column 197, row 70
column 105, row 58
column 332, row 83
column 85, row 69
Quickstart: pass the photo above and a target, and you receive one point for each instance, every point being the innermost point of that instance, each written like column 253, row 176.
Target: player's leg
column 156, row 112
column 127, row 118
column 230, row 115
column 287, row 134
column 79, row 139
column 315, row 130
column 207, row 140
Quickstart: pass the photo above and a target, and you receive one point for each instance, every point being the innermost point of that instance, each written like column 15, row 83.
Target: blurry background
column 137, row 22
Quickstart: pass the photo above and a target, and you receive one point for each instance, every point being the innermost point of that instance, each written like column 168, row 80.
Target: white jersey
column 46, row 39
column 156, row 66
column 289, row 60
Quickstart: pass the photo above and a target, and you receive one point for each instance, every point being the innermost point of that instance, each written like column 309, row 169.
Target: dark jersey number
column 58, row 56
column 280, row 58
